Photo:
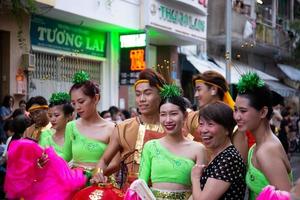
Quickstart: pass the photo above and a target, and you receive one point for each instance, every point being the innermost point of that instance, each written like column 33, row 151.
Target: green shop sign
column 183, row 19
column 54, row 34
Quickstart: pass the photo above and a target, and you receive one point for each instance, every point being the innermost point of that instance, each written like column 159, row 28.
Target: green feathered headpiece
column 249, row 82
column 169, row 91
column 80, row 77
column 59, row 98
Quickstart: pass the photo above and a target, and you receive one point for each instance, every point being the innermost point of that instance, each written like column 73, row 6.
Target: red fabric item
column 251, row 139
column 107, row 192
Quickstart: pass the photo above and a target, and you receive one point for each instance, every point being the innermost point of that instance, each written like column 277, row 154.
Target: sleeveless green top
column 46, row 140
column 80, row 148
column 160, row 165
column 255, row 179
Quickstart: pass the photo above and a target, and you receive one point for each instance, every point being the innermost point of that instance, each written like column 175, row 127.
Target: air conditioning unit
column 28, row 61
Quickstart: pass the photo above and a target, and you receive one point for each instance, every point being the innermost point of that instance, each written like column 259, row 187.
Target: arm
column 145, row 166
column 240, row 142
column 67, row 148
column 103, row 164
column 213, row 190
column 271, row 164
column 201, row 155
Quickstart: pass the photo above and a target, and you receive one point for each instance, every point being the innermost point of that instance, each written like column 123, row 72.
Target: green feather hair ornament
column 80, row 77
column 169, row 91
column 249, row 82
column 59, row 98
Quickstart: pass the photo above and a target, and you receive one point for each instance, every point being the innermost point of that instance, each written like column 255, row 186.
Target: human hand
column 197, row 172
column 42, row 161
column 98, row 176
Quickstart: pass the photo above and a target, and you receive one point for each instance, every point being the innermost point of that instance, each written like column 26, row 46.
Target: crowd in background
column 36, row 118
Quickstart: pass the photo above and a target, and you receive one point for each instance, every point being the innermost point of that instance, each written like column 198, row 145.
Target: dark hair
column 258, row 98
column 6, row 99
column 103, row 113
column 17, row 112
column 285, row 112
column 155, row 79
column 126, row 114
column 176, row 100
column 89, row 88
column 8, row 125
column 22, row 102
column 20, row 123
column 67, row 108
column 220, row 113
column 113, row 110
column 39, row 100
column 214, row 78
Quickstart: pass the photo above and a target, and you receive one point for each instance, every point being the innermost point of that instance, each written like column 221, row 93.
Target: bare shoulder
column 196, row 145
column 269, row 151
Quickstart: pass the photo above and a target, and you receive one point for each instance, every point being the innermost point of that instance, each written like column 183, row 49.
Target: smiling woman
column 253, row 111
column 224, row 177
column 169, row 180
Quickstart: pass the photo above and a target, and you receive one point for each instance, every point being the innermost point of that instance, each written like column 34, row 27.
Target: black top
column 228, row 166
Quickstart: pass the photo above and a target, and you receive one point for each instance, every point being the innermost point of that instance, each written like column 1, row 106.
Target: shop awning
column 236, row 71
column 282, row 89
column 291, row 72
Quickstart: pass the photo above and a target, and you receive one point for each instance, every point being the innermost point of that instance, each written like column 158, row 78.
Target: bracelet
column 98, row 170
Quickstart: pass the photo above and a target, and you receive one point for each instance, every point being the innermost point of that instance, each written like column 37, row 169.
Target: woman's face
column 147, row 98
column 171, row 118
column 57, row 117
column 203, row 94
column 213, row 134
column 246, row 117
column 84, row 105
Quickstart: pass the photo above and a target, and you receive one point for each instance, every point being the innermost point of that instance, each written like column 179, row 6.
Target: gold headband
column 227, row 97
column 35, row 107
column 145, row 81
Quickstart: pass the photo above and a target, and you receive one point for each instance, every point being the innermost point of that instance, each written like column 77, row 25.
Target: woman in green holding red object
column 87, row 137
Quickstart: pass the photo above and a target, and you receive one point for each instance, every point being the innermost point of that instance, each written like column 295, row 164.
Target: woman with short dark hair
column 224, row 176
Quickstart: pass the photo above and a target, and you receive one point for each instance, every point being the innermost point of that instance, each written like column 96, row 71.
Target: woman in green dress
column 167, row 162
column 268, row 163
column 60, row 113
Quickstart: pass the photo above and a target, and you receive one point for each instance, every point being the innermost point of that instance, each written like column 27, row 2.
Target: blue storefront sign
column 53, row 34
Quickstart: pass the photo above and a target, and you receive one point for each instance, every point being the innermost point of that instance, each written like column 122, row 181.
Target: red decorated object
column 105, row 192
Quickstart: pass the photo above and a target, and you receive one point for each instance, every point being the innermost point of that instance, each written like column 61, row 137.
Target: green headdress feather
column 80, row 77
column 169, row 91
column 249, row 82
column 59, row 98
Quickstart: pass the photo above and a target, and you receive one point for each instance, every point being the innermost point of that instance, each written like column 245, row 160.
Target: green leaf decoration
column 249, row 82
column 80, row 77
column 169, row 91
column 59, row 98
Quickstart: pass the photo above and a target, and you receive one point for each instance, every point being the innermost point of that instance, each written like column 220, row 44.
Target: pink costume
column 269, row 193
column 25, row 179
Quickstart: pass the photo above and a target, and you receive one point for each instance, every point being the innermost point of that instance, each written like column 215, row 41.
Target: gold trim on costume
column 170, row 195
column 227, row 97
column 35, row 107
column 140, row 138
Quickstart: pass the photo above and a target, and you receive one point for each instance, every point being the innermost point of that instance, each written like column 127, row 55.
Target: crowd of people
column 224, row 149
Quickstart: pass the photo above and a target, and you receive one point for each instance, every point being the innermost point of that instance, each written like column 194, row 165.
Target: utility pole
column 228, row 39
